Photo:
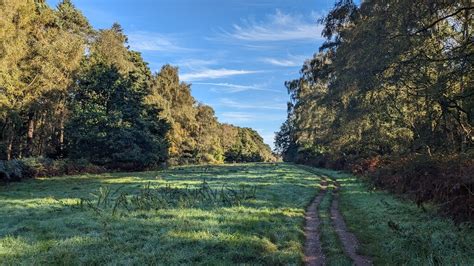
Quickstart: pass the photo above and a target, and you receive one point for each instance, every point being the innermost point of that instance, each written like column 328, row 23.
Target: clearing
column 232, row 214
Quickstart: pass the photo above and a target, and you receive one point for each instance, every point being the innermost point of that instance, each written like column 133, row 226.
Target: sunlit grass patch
column 42, row 224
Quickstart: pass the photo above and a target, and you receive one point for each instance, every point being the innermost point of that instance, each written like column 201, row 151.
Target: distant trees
column 69, row 91
column 392, row 78
column 195, row 135
column 248, row 146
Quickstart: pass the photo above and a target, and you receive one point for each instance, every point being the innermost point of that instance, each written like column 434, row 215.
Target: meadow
column 214, row 215
column 42, row 221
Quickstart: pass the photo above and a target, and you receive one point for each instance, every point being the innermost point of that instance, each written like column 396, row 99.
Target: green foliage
column 385, row 84
column 70, row 91
column 196, row 136
column 110, row 123
column 12, row 170
column 19, row 169
column 38, row 58
column 393, row 80
column 248, row 146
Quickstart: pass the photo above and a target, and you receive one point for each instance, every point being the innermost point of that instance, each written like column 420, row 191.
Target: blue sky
column 236, row 53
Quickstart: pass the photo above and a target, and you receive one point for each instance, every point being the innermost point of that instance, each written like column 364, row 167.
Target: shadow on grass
column 39, row 226
column 233, row 235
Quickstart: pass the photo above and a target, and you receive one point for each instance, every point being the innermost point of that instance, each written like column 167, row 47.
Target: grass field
column 44, row 221
column 41, row 223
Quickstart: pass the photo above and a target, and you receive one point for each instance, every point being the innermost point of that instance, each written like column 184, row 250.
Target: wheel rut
column 349, row 241
column 313, row 252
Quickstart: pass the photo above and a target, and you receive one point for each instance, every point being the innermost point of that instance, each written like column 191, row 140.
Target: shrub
column 16, row 170
column 13, row 170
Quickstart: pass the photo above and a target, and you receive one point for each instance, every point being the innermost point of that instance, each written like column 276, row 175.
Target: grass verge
column 393, row 231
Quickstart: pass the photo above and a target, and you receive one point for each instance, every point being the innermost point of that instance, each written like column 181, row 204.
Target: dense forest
column 390, row 94
column 71, row 93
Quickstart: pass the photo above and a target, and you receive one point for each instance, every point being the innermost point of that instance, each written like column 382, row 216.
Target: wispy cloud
column 258, row 47
column 265, row 106
column 293, row 62
column 150, row 41
column 204, row 74
column 235, row 87
column 239, row 117
column 277, row 27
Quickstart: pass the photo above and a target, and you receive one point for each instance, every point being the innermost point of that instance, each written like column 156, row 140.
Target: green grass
column 396, row 232
column 332, row 246
column 41, row 223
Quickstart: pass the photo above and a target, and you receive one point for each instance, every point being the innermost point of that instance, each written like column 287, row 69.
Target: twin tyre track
column 314, row 254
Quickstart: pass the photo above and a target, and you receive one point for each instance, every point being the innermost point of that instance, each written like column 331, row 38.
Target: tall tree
column 111, row 123
column 390, row 79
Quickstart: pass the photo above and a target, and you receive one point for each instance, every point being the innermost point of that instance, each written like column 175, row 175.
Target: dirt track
column 348, row 239
column 314, row 254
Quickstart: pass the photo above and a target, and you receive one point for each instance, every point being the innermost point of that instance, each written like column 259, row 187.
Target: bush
column 13, row 170
column 16, row 170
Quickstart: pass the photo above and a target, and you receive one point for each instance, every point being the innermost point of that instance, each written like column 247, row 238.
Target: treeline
column 390, row 94
column 70, row 92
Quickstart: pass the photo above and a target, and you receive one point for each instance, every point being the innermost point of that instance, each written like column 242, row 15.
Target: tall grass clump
column 166, row 197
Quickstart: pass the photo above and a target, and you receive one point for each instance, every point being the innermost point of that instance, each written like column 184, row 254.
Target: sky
column 237, row 54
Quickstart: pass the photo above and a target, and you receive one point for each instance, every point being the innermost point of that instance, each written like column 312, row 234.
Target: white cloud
column 235, row 87
column 149, row 41
column 266, row 106
column 214, row 74
column 238, row 117
column 283, row 62
column 277, row 27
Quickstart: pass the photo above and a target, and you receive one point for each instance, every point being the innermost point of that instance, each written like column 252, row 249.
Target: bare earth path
column 348, row 239
column 314, row 255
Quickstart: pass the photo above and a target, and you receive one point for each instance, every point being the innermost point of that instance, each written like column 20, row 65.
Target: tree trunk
column 30, row 135
column 61, row 135
column 9, row 147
